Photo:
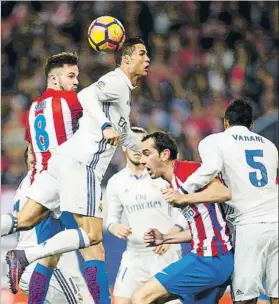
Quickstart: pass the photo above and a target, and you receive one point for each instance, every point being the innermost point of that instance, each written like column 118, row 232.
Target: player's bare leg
column 30, row 215
column 151, row 291
column 93, row 226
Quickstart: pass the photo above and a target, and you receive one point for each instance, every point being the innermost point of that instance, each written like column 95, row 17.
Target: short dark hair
column 58, row 60
column 239, row 113
column 139, row 130
column 127, row 48
column 163, row 141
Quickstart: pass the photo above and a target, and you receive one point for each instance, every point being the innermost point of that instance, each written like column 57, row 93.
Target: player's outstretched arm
column 212, row 163
column 215, row 192
column 153, row 237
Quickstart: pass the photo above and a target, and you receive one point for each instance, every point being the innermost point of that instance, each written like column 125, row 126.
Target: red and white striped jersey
column 210, row 234
column 51, row 120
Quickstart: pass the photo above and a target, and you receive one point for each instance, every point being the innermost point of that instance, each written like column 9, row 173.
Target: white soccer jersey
column 143, row 205
column 107, row 101
column 248, row 163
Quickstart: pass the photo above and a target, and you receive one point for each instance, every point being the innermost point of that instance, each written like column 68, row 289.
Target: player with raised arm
column 132, row 193
column 248, row 163
column 202, row 275
column 51, row 120
column 76, row 169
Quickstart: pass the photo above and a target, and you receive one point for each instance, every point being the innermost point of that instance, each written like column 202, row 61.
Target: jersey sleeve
column 130, row 140
column 115, row 206
column 179, row 220
column 88, row 99
column 212, row 163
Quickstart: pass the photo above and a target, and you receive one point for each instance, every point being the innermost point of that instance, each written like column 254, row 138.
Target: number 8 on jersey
column 41, row 136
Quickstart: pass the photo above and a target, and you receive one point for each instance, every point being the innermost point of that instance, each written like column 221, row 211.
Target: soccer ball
column 106, row 34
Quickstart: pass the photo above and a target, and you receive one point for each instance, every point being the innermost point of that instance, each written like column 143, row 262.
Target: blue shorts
column 263, row 297
column 198, row 279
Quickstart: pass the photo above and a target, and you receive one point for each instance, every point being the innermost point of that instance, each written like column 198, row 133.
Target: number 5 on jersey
column 250, row 159
column 41, row 136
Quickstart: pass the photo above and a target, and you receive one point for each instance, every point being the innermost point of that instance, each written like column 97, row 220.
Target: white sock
column 65, row 241
column 8, row 224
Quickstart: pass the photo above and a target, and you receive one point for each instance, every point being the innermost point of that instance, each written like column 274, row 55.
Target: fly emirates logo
column 142, row 203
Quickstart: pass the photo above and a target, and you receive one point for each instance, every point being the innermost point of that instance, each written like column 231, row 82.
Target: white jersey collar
column 237, row 128
column 125, row 77
column 144, row 173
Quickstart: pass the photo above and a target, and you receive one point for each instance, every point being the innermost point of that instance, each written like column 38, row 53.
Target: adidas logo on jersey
column 239, row 292
column 126, row 190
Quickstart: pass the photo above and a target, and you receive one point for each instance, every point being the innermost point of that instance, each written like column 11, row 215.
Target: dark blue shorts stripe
column 62, row 282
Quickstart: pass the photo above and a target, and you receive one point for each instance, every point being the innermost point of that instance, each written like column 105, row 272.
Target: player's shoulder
column 69, row 96
column 187, row 164
column 185, row 168
column 160, row 183
column 264, row 139
column 111, row 79
column 117, row 178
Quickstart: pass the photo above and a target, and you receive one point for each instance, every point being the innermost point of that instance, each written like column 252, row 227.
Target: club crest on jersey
column 100, row 85
column 188, row 213
column 100, row 207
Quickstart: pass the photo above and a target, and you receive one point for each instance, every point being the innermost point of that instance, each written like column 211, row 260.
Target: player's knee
column 95, row 237
column 96, row 252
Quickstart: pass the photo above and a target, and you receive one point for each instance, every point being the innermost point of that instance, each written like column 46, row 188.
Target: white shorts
column 70, row 185
column 255, row 261
column 137, row 268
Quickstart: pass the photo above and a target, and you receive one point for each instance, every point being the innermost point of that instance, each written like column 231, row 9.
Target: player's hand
column 153, row 237
column 161, row 249
column 119, row 230
column 111, row 136
column 173, row 197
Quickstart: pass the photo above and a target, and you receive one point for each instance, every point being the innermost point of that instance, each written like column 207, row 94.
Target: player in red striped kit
column 51, row 120
column 202, row 275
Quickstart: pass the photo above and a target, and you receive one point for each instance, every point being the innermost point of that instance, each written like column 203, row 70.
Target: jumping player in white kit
column 132, row 193
column 248, row 163
column 76, row 169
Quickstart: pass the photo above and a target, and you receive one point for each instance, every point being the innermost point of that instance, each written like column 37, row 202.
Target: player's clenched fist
column 111, row 136
column 119, row 230
column 153, row 237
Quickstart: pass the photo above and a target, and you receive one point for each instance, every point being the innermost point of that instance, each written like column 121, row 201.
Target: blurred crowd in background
column 203, row 54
